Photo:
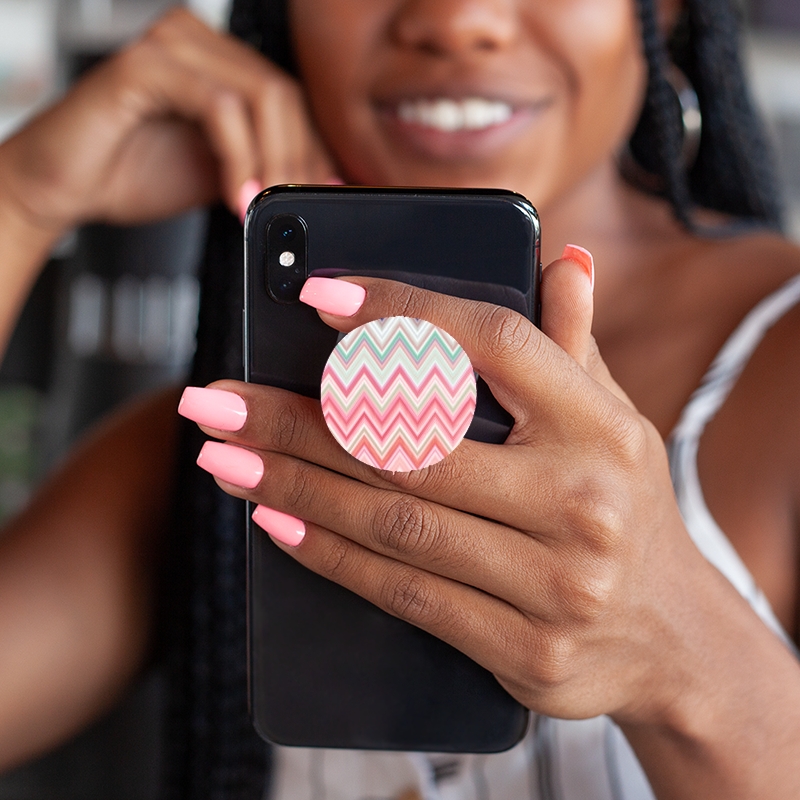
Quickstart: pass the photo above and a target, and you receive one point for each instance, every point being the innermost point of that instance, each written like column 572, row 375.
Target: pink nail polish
column 580, row 255
column 333, row 296
column 232, row 464
column 249, row 190
column 216, row 408
column 283, row 527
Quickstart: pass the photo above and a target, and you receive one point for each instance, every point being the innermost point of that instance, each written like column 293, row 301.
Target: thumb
column 567, row 310
column 568, row 303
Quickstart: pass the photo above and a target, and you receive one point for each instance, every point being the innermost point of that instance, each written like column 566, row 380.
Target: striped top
column 557, row 759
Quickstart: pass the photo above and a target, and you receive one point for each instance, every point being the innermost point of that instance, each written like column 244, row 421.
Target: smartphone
column 327, row 668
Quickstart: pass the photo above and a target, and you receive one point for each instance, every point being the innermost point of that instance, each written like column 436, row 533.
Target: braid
column 212, row 751
column 732, row 173
column 265, row 25
column 656, row 143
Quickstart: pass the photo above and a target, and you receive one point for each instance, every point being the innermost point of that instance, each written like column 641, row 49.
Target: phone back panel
column 327, row 668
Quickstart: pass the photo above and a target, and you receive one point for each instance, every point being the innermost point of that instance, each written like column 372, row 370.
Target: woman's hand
column 543, row 558
column 180, row 117
column 557, row 560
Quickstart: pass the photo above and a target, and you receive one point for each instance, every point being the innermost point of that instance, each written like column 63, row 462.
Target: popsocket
column 398, row 393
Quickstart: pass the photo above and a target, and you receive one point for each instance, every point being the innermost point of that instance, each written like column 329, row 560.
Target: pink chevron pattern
column 398, row 393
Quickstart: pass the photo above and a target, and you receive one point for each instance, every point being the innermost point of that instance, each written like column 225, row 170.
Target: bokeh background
column 114, row 313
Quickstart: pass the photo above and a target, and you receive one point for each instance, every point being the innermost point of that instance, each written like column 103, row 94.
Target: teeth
column 448, row 115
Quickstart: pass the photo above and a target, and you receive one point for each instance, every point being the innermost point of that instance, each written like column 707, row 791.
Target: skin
column 577, row 584
column 77, row 581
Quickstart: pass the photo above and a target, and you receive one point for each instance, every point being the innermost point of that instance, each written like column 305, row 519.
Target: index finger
column 520, row 364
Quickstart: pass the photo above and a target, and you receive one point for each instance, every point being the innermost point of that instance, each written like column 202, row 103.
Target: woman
column 575, row 575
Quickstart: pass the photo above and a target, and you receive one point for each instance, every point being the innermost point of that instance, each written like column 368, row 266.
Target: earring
column 691, row 121
column 691, row 117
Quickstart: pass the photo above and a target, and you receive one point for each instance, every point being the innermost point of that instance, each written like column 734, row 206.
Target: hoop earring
column 691, row 117
column 691, row 120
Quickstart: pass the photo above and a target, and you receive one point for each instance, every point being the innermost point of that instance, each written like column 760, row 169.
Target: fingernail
column 232, row 464
column 283, row 527
column 334, row 180
column 250, row 188
column 334, row 296
column 216, row 408
column 580, row 255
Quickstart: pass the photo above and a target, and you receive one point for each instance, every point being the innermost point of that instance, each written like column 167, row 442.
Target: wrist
column 724, row 719
column 34, row 213
column 25, row 244
column 23, row 228
column 23, row 235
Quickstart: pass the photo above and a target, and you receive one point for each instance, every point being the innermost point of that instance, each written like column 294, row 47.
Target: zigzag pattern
column 398, row 393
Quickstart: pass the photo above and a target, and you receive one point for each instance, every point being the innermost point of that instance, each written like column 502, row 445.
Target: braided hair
column 733, row 172
column 211, row 748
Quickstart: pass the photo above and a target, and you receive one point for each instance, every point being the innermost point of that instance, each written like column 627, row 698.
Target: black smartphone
column 327, row 668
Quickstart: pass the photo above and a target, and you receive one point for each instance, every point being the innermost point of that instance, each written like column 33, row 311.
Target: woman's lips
column 453, row 129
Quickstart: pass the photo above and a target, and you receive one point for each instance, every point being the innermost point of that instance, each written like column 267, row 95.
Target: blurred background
column 114, row 314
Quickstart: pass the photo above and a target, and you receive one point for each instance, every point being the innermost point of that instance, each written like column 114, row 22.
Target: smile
column 462, row 128
column 449, row 116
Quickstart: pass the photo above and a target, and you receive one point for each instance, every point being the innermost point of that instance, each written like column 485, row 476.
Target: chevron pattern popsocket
column 398, row 393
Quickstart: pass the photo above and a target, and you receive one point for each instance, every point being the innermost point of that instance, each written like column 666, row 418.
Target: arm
column 77, row 572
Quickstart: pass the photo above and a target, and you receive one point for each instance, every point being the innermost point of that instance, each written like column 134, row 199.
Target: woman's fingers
column 567, row 311
column 270, row 419
column 529, row 374
column 285, row 147
column 506, row 563
column 167, row 87
column 182, row 116
column 515, row 485
column 567, row 302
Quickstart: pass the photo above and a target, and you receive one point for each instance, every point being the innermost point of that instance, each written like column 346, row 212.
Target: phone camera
column 286, row 257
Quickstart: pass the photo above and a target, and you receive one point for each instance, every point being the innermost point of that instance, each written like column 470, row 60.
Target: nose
column 450, row 27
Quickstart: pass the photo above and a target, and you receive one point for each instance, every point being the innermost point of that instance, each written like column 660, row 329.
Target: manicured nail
column 216, row 408
column 232, row 464
column 580, row 255
column 250, row 188
column 283, row 527
column 334, row 296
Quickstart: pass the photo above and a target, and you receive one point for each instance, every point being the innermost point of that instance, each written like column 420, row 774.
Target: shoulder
column 762, row 251
column 764, row 270
column 758, row 259
column 732, row 275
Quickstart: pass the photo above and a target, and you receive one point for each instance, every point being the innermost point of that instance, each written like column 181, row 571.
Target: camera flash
column 286, row 258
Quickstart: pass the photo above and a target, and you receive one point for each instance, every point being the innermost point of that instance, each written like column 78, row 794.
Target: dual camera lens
column 287, row 241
